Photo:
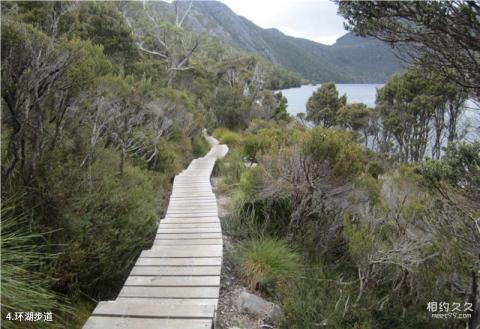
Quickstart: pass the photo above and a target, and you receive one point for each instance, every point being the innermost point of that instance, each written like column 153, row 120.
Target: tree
column 103, row 23
column 456, row 179
column 281, row 112
column 356, row 117
column 40, row 80
column 323, row 105
column 406, row 110
column 273, row 106
column 231, row 108
column 440, row 35
column 417, row 109
column 170, row 43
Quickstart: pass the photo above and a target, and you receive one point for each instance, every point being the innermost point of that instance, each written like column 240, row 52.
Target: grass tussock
column 264, row 262
column 24, row 287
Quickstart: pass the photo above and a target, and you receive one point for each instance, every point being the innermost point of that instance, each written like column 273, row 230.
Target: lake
column 356, row 93
column 469, row 123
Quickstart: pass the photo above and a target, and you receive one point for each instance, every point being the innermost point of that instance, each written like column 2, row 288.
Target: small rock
column 274, row 314
column 252, row 304
column 257, row 306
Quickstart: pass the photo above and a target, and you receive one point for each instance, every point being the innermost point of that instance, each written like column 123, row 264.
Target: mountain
column 350, row 59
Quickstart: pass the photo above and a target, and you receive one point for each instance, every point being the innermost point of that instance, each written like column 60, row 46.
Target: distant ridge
column 350, row 59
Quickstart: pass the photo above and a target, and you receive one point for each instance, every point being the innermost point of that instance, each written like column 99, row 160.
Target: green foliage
column 249, row 179
column 79, row 100
column 200, row 146
column 252, row 145
column 338, row 148
column 231, row 109
column 265, row 262
column 307, row 300
column 323, row 105
column 426, row 28
column 231, row 167
column 412, row 106
column 225, row 136
column 457, row 173
column 103, row 23
column 281, row 110
column 354, row 116
column 362, row 226
column 24, row 286
column 360, row 240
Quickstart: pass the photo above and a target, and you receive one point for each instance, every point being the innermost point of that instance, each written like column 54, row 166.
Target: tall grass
column 24, row 287
column 265, row 262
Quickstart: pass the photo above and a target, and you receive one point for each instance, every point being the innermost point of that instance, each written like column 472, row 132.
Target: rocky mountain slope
column 350, row 59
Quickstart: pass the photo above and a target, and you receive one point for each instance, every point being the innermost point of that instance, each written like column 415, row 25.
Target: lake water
column 469, row 123
column 356, row 93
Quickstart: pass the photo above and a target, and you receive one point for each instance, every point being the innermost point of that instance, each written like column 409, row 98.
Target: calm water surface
column 356, row 93
column 469, row 123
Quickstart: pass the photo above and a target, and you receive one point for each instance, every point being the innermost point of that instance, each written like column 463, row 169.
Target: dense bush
column 229, row 137
column 375, row 239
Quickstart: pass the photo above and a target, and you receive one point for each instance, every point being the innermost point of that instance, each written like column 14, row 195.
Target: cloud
column 314, row 20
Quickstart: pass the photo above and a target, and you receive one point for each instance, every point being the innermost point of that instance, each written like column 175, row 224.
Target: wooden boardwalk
column 176, row 283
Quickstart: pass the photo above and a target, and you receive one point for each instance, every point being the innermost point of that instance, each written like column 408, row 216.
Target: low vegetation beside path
column 340, row 236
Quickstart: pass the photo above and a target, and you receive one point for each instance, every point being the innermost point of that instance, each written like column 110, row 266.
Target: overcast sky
column 310, row 19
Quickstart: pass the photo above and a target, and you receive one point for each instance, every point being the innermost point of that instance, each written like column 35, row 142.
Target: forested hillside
column 350, row 59
column 102, row 104
column 345, row 216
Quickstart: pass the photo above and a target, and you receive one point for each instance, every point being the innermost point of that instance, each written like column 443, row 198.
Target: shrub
column 250, row 181
column 110, row 226
column 264, row 262
column 231, row 167
column 225, row 136
column 338, row 149
column 252, row 146
column 200, row 146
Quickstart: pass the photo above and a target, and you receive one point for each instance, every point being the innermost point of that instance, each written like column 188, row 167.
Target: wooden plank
column 193, row 191
column 188, row 242
column 162, row 230
column 193, row 202
column 194, row 198
column 193, row 210
column 187, row 220
column 202, row 196
column 192, row 187
column 178, row 236
column 189, row 225
column 175, row 270
column 205, row 261
column 126, row 309
column 176, row 283
column 169, row 301
column 103, row 322
column 169, row 281
column 190, row 215
column 192, row 206
column 170, row 292
column 184, row 251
